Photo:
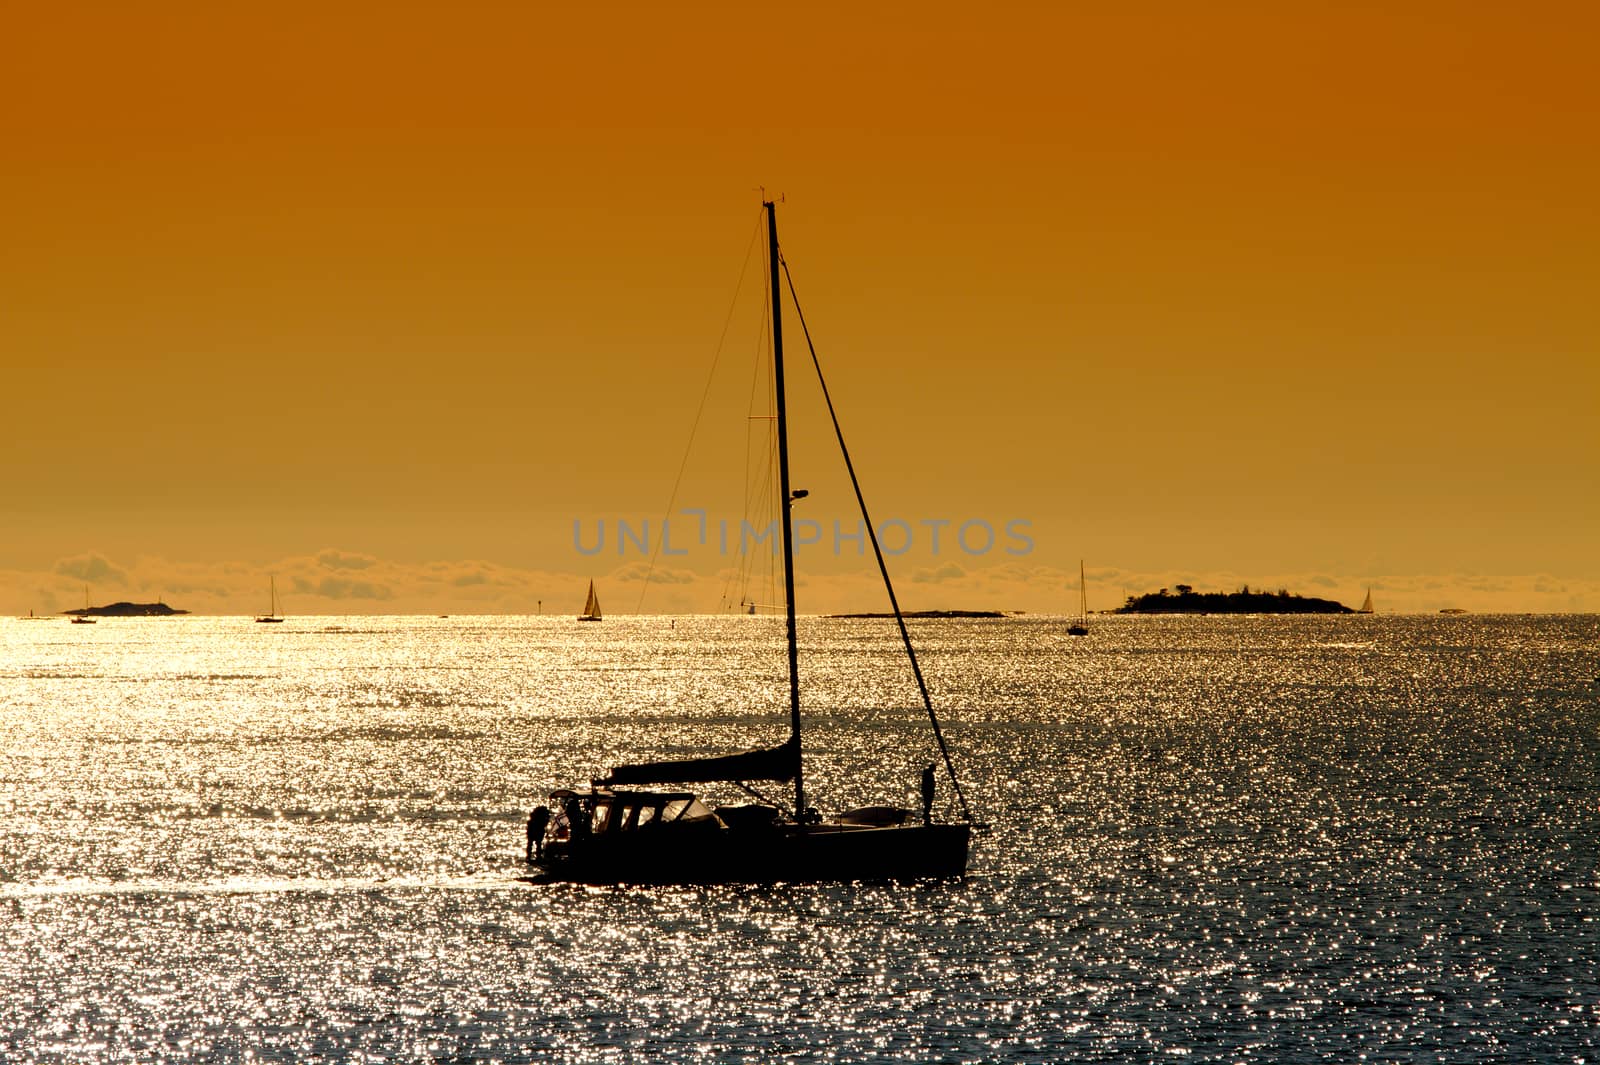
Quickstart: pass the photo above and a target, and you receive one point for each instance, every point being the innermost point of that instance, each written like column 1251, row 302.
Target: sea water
column 1271, row 839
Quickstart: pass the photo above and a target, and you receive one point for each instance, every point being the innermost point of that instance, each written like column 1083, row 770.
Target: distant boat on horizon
column 84, row 618
column 1366, row 606
column 271, row 616
column 591, row 606
column 1081, row 626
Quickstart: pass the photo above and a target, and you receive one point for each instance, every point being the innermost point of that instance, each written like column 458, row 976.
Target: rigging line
column 695, row 428
column 765, row 490
column 883, row 567
column 758, row 482
column 778, row 591
column 769, row 490
column 761, row 490
column 740, row 574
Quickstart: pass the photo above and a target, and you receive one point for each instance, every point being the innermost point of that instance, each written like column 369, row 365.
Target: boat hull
column 785, row 853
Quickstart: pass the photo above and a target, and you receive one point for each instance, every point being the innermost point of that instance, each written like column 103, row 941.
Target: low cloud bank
column 334, row 581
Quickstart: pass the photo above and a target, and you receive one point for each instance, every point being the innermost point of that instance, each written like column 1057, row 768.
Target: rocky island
column 1185, row 600
column 127, row 610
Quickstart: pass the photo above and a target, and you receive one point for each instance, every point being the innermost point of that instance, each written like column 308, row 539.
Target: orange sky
column 1241, row 294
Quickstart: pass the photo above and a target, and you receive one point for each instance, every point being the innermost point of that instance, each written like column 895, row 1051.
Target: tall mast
column 787, row 502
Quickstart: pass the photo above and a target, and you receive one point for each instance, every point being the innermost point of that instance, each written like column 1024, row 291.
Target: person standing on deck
column 537, row 822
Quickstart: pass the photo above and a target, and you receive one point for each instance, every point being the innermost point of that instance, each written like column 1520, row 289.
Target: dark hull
column 826, row 852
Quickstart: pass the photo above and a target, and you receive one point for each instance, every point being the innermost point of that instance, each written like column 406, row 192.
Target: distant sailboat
column 1081, row 626
column 84, row 618
column 271, row 616
column 591, row 607
column 1366, row 607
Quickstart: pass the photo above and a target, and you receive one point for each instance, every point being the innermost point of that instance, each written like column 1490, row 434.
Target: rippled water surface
column 1232, row 839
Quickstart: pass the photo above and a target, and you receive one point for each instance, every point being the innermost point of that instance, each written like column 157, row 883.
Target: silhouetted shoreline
column 1188, row 601
column 127, row 610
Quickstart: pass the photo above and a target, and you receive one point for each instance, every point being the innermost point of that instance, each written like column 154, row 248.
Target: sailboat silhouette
column 1081, row 626
column 271, row 616
column 640, row 825
column 591, row 606
column 84, row 618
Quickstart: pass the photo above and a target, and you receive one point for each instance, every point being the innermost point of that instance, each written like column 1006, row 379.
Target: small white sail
column 591, row 606
column 1366, row 607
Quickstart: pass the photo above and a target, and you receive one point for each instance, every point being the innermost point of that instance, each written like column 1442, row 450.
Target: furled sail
column 772, row 763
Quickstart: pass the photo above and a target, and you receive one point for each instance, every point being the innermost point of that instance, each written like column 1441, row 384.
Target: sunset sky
column 383, row 299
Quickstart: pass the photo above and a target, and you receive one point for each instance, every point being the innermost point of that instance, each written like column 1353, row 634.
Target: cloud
column 341, row 588
column 635, row 572
column 947, row 572
column 329, row 558
column 334, row 581
column 91, row 567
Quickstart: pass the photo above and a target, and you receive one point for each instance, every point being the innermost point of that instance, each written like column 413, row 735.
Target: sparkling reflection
column 1224, row 839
